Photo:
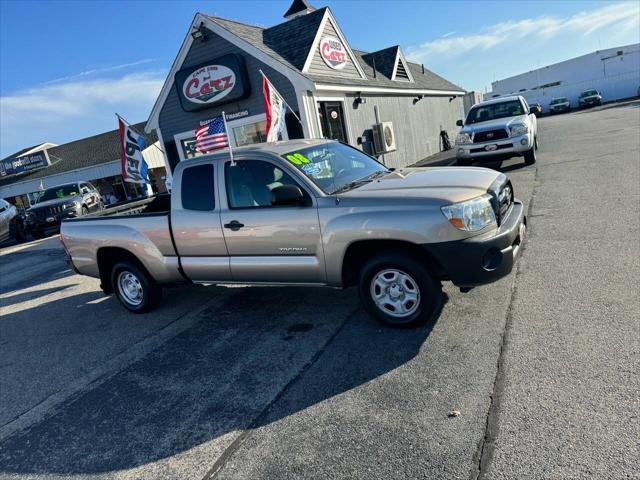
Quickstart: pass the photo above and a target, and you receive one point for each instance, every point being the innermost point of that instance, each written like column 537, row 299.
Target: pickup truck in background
column 498, row 129
column 308, row 212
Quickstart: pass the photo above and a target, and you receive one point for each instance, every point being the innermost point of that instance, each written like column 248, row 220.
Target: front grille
column 490, row 135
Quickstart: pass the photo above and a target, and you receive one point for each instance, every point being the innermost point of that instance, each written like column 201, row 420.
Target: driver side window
column 250, row 182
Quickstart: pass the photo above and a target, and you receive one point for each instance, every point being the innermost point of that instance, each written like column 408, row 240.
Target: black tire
column 150, row 294
column 530, row 156
column 429, row 290
column 37, row 234
column 85, row 210
column 20, row 233
column 535, row 142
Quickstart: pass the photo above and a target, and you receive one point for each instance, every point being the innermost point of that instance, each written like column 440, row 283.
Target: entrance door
column 269, row 243
column 332, row 121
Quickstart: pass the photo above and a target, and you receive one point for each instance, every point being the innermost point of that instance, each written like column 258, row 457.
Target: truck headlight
column 519, row 129
column 471, row 215
column 463, row 138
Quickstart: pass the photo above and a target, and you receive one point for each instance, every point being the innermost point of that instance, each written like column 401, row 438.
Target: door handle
column 234, row 225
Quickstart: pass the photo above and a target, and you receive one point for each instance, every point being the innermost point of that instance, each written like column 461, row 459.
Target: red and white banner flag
column 275, row 107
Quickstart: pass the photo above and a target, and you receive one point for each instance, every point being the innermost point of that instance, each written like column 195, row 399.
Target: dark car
column 57, row 203
column 536, row 108
column 559, row 105
column 590, row 98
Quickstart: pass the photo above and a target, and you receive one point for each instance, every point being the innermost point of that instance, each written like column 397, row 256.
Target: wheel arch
column 107, row 258
column 360, row 251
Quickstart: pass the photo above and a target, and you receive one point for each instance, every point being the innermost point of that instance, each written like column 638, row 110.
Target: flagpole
column 144, row 136
column 285, row 102
column 224, row 121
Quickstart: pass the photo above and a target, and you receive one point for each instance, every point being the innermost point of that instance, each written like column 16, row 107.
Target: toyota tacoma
column 498, row 129
column 308, row 212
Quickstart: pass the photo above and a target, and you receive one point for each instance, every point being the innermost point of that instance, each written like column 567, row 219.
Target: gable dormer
column 401, row 71
column 330, row 53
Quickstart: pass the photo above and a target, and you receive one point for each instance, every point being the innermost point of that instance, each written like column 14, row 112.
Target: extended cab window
column 249, row 183
column 197, row 188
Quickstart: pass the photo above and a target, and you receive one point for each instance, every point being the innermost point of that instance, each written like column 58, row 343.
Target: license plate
column 523, row 229
column 491, row 148
column 50, row 219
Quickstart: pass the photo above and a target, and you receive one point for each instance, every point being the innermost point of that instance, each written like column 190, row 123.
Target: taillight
column 63, row 244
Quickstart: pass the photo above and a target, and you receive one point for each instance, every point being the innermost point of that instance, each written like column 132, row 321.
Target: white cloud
column 101, row 70
column 625, row 16
column 64, row 111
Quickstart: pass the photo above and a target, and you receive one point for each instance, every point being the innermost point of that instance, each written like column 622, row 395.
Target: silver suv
column 498, row 129
column 308, row 212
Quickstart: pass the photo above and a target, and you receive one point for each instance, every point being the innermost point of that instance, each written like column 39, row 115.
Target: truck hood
column 441, row 184
column 493, row 124
column 51, row 203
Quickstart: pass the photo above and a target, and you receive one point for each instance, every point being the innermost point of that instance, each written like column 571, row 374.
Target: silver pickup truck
column 308, row 212
column 498, row 129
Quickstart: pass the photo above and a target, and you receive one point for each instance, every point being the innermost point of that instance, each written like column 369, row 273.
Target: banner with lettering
column 134, row 166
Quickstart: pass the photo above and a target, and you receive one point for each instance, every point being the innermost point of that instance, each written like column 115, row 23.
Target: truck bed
column 142, row 228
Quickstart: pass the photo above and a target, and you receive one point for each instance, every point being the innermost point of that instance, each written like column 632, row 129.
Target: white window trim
column 400, row 58
column 178, row 137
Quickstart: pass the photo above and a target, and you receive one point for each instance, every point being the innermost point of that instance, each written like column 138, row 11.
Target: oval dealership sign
column 333, row 53
column 209, row 84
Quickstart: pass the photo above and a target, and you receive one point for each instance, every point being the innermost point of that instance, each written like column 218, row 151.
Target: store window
column 250, row 133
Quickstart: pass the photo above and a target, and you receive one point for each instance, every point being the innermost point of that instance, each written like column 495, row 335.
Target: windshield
column 589, row 93
column 334, row 166
column 60, row 191
column 555, row 101
column 493, row 111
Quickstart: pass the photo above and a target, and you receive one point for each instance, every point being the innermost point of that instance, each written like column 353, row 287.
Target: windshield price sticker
column 298, row 159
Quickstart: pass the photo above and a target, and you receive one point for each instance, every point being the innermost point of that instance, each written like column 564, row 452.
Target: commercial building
column 377, row 101
column 614, row 72
column 95, row 159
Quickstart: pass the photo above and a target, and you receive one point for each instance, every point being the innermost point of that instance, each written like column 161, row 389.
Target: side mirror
column 460, row 123
column 287, row 195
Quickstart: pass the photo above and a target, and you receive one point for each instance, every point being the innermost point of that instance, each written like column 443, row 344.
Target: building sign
column 229, row 117
column 220, row 81
column 24, row 163
column 333, row 53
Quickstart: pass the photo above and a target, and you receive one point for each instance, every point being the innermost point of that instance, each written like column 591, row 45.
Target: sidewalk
column 440, row 159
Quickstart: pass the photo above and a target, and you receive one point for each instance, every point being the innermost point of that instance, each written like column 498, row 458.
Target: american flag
column 211, row 136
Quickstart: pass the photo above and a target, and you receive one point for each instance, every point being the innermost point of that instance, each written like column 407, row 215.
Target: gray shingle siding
column 416, row 126
column 318, row 68
column 173, row 119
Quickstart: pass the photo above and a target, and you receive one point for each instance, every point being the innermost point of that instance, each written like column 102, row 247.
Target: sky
column 66, row 67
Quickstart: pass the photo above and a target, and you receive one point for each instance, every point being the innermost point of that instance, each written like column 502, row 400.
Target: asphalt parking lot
column 275, row 382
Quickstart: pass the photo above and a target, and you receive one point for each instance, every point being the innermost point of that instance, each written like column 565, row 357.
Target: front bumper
column 52, row 222
column 559, row 108
column 509, row 147
column 486, row 257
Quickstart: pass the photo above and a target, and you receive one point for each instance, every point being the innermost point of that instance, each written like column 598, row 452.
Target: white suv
column 498, row 129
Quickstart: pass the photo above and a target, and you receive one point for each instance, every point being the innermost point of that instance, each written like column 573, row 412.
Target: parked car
column 559, row 105
column 499, row 128
column 589, row 98
column 11, row 223
column 308, row 212
column 60, row 202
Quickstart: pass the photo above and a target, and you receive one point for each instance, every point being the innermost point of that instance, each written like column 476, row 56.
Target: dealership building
column 376, row 101
column 95, row 159
column 614, row 72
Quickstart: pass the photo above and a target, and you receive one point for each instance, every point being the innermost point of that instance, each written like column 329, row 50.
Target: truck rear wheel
column 135, row 289
column 398, row 291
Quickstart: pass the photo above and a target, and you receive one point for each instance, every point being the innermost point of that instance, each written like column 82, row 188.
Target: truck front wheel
column 398, row 291
column 530, row 155
column 135, row 289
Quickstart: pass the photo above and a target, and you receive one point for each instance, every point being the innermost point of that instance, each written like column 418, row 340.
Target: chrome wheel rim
column 130, row 288
column 395, row 293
